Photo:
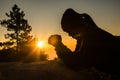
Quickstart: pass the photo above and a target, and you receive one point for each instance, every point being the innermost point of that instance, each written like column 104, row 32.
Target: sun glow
column 40, row 44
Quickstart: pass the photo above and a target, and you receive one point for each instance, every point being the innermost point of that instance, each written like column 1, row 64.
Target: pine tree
column 18, row 27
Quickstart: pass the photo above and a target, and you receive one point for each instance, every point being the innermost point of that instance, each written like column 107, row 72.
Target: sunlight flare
column 40, row 44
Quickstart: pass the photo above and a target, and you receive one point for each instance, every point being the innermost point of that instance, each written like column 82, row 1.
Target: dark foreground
column 49, row 70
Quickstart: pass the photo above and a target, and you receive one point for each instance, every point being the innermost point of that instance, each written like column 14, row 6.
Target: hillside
column 49, row 70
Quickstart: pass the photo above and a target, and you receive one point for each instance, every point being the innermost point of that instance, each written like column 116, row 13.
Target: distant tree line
column 20, row 44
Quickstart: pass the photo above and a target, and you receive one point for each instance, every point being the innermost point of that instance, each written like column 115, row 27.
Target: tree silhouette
column 19, row 27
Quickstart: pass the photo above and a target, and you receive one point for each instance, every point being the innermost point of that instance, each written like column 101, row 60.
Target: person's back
column 101, row 49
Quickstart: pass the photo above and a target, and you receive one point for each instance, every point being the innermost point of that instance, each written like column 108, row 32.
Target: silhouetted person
column 95, row 47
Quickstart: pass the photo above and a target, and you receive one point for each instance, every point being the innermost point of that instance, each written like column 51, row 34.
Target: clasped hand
column 55, row 40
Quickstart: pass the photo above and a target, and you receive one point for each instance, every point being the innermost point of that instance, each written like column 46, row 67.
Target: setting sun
column 40, row 44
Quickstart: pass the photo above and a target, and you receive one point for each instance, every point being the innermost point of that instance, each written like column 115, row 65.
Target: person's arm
column 65, row 54
column 61, row 50
column 78, row 45
column 72, row 59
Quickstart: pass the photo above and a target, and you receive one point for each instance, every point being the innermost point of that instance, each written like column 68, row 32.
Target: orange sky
column 45, row 16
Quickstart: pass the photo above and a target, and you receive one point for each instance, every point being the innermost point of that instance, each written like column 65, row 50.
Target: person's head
column 71, row 22
column 74, row 23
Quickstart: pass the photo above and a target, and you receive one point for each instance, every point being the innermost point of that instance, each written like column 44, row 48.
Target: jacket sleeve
column 70, row 58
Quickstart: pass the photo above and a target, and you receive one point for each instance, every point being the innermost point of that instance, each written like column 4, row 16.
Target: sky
column 45, row 16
